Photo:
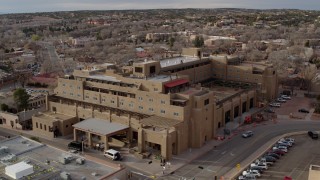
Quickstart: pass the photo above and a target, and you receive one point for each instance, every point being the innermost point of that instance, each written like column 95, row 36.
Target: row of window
column 112, row 101
column 37, row 103
column 44, row 127
column 64, row 85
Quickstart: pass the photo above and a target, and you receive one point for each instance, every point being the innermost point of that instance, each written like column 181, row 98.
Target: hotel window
column 71, row 86
column 112, row 101
column 45, row 127
column 78, row 87
column 121, row 103
column 151, row 100
column 103, row 100
column 87, row 97
column 79, row 95
column 64, row 92
column 151, row 109
column 140, row 107
column 162, row 111
column 140, row 98
column 40, row 126
column 71, row 94
column 95, row 98
column 130, row 104
column 36, row 124
column 63, row 84
column 206, row 102
column 155, row 89
column 176, row 114
column 163, row 102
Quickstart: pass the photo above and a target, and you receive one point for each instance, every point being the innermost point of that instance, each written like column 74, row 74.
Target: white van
column 112, row 154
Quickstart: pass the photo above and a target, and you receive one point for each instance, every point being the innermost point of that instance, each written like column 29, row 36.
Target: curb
column 232, row 174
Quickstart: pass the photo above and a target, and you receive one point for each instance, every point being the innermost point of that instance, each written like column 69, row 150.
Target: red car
column 279, row 152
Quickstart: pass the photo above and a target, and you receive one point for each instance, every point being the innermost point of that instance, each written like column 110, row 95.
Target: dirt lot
column 293, row 105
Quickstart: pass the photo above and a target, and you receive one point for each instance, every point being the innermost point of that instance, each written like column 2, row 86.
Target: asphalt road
column 223, row 158
column 53, row 61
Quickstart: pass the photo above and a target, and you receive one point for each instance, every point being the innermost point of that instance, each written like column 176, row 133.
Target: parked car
column 268, row 163
column 269, row 159
column 285, row 143
column 313, row 134
column 281, row 100
column 286, row 97
column 255, row 173
column 269, row 110
column 257, row 168
column 282, row 148
column 263, row 165
column 113, row 154
column 302, row 110
column 273, row 155
column 275, row 105
column 291, row 140
column 247, row 134
column 279, row 152
column 75, row 145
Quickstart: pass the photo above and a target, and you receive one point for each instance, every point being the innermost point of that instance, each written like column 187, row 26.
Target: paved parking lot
column 297, row 161
column 293, row 105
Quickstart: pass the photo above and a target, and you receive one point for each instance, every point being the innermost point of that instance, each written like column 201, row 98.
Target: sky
column 22, row 6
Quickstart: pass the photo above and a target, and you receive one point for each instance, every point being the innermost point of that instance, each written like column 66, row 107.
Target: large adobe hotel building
column 169, row 105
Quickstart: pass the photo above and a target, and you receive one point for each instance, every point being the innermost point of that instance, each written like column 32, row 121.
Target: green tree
column 171, row 42
column 21, row 98
column 35, row 37
column 4, row 107
column 198, row 41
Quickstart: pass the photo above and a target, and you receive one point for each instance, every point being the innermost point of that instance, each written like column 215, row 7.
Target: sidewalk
column 176, row 162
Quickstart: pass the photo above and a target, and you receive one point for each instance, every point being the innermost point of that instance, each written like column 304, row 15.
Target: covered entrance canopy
column 102, row 128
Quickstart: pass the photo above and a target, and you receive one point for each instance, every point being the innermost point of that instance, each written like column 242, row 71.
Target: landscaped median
column 232, row 174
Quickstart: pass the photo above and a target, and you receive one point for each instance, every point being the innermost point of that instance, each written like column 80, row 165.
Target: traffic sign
column 238, row 166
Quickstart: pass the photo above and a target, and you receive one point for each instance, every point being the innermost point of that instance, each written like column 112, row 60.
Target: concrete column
column 89, row 139
column 75, row 135
column 141, row 143
column 240, row 106
column 129, row 135
column 106, row 142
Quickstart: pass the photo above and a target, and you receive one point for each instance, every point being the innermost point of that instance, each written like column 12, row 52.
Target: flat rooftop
column 50, row 115
column 177, row 60
column 194, row 91
column 99, row 126
column 160, row 122
column 257, row 65
column 224, row 89
column 103, row 77
column 161, row 78
column 39, row 156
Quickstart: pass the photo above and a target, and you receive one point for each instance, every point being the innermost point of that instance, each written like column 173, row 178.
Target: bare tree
column 309, row 75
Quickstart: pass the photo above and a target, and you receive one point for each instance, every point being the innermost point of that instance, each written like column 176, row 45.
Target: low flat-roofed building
column 47, row 162
column 53, row 124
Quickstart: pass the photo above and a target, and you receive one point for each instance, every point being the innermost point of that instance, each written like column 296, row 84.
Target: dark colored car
column 279, row 152
column 283, row 144
column 269, row 110
column 260, row 169
column 75, row 145
column 273, row 155
column 313, row 134
column 303, row 110
column 270, row 159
